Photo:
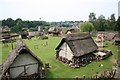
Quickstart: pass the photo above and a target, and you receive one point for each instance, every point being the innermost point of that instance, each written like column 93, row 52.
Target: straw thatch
column 55, row 31
column 4, row 34
column 20, row 45
column 72, row 30
column 80, row 43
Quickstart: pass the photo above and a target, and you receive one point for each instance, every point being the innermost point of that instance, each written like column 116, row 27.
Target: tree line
column 18, row 24
column 100, row 23
column 94, row 24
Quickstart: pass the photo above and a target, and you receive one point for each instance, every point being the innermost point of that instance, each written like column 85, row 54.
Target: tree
column 112, row 17
column 17, row 27
column 93, row 20
column 101, row 17
column 92, row 17
column 118, row 25
column 10, row 22
column 112, row 22
column 18, row 19
column 101, row 23
column 86, row 27
column 4, row 22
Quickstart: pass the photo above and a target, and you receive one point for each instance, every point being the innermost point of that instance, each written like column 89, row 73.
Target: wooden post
column 24, row 69
column 12, row 44
column 96, row 76
column 11, row 41
column 102, row 40
column 114, row 72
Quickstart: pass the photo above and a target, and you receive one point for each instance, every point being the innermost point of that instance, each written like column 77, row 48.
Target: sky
column 56, row 10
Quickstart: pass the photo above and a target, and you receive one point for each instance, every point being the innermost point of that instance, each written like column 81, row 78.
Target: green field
column 58, row 69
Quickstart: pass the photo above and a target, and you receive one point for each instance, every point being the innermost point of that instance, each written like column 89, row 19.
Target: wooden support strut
column 23, row 65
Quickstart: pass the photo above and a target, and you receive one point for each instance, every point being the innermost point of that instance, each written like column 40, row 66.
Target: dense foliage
column 102, row 24
column 95, row 24
column 118, row 24
column 18, row 24
column 86, row 27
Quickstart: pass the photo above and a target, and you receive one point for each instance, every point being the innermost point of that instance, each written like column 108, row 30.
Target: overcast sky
column 56, row 10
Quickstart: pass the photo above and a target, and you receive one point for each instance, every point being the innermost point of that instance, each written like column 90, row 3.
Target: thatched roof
column 73, row 30
column 5, row 35
column 14, row 34
column 117, row 37
column 118, row 62
column 54, row 29
column 108, row 35
column 20, row 45
column 24, row 33
column 4, row 29
column 79, row 43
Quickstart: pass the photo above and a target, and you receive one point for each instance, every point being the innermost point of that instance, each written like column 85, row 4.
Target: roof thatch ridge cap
column 77, row 36
column 19, row 43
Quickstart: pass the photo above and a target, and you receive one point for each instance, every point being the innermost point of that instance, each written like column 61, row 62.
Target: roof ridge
column 78, row 36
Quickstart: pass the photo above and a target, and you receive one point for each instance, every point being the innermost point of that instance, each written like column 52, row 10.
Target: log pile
column 77, row 62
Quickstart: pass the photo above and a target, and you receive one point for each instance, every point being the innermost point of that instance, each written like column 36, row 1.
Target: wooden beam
column 23, row 65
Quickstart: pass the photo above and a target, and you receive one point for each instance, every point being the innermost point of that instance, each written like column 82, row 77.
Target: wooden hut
column 22, row 64
column 54, row 31
column 108, row 35
column 76, row 49
column 5, row 34
column 118, row 63
column 24, row 35
column 72, row 30
column 116, row 39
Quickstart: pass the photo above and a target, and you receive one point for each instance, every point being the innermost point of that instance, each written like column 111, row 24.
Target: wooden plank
column 23, row 65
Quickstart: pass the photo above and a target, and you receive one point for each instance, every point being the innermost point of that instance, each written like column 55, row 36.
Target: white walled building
column 76, row 49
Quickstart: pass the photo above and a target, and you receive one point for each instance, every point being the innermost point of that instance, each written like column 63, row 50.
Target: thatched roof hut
column 24, row 34
column 55, row 31
column 5, row 34
column 117, row 39
column 108, row 35
column 80, row 43
column 72, row 30
column 22, row 63
column 118, row 63
column 76, row 46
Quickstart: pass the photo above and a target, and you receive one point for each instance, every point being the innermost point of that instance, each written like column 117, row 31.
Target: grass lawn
column 58, row 69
